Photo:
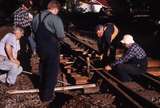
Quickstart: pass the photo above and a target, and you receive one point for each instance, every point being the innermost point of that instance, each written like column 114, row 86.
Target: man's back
column 52, row 23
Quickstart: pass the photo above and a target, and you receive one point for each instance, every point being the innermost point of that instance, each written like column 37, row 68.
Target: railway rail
column 81, row 70
column 139, row 100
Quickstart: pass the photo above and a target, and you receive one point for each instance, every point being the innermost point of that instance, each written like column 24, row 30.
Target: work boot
column 9, row 85
column 47, row 103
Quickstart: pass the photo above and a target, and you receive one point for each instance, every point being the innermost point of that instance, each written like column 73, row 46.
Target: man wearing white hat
column 133, row 62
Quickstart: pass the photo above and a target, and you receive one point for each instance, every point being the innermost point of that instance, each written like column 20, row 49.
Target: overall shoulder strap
column 41, row 20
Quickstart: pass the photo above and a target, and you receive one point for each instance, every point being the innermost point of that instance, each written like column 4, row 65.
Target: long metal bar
column 74, row 87
column 144, row 102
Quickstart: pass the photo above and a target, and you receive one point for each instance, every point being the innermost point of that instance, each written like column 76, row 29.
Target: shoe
column 3, row 78
column 43, row 98
column 132, row 85
column 47, row 103
column 9, row 85
column 2, row 83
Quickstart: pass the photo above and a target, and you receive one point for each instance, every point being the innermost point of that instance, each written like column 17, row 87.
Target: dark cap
column 27, row 3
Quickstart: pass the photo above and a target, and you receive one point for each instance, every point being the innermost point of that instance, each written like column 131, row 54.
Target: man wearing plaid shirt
column 133, row 62
column 23, row 18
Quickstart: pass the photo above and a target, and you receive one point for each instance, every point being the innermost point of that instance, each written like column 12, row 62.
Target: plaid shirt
column 135, row 51
column 21, row 18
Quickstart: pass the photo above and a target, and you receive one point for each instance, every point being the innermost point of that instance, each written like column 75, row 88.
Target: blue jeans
column 13, row 70
column 32, row 44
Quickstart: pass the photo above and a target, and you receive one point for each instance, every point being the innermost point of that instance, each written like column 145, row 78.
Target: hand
column 101, row 56
column 16, row 62
column 34, row 53
column 30, row 16
column 108, row 68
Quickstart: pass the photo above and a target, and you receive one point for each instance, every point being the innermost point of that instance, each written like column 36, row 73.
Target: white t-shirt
column 9, row 38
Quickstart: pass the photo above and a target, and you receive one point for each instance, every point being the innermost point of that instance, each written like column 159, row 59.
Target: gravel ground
column 62, row 100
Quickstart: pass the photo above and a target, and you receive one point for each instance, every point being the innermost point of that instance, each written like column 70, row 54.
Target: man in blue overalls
column 48, row 29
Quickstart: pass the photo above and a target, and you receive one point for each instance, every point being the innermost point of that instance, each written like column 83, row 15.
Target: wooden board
column 156, row 74
column 153, row 63
column 56, row 89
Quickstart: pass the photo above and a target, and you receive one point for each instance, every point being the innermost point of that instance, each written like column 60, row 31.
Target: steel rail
column 117, row 89
column 141, row 100
column 155, row 83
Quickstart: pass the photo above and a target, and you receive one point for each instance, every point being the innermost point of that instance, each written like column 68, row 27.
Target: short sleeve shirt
column 10, row 39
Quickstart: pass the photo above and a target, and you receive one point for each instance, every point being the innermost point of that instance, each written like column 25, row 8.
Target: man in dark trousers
column 23, row 18
column 133, row 62
column 106, row 34
column 48, row 29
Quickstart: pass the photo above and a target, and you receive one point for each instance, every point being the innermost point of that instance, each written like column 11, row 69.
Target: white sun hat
column 127, row 39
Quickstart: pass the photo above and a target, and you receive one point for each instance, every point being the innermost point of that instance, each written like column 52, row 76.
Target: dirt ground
column 71, row 99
